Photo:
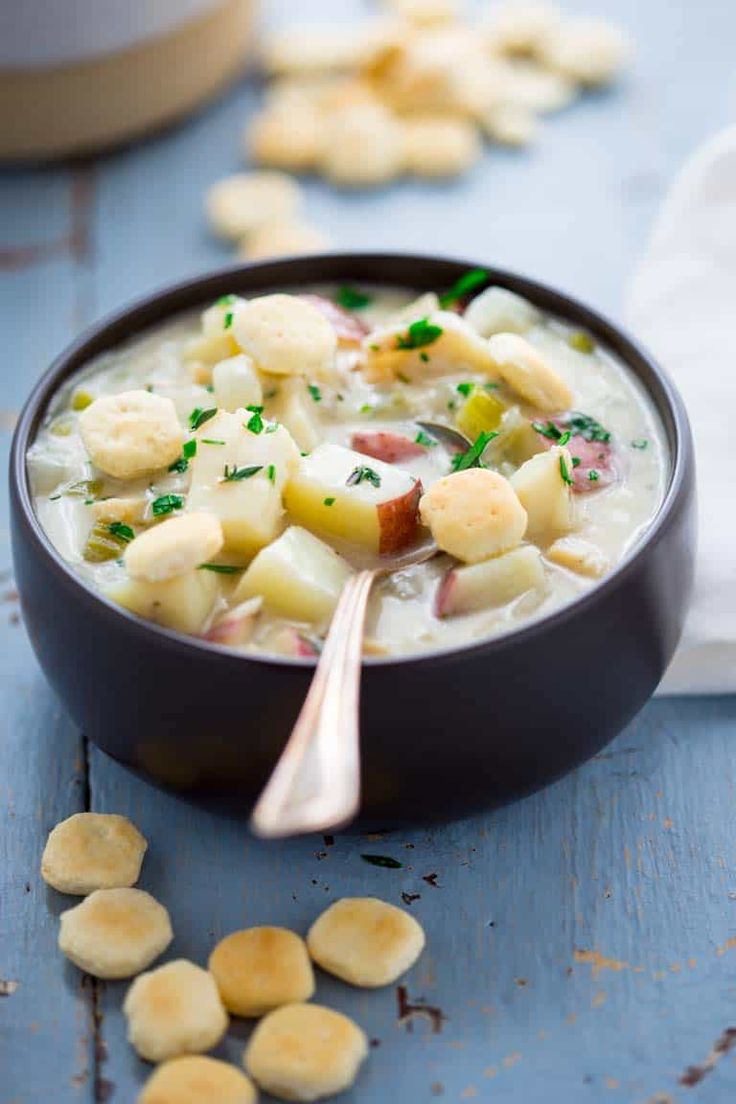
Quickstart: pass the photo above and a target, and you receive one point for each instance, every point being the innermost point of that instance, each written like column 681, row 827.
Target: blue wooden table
column 582, row 943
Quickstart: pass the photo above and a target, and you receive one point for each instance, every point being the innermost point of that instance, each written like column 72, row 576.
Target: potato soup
column 223, row 474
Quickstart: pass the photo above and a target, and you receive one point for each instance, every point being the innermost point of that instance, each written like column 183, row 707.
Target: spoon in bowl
column 315, row 785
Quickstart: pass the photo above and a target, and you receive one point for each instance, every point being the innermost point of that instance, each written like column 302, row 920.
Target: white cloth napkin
column 682, row 304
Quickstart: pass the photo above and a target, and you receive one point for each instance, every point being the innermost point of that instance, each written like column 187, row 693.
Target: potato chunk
column 335, row 492
column 437, row 345
column 497, row 310
column 285, row 336
column 89, row 851
column 528, row 373
column 543, row 485
column 581, row 556
column 131, row 434
column 184, row 603
column 115, row 933
column 292, row 406
column 297, row 576
column 195, row 1079
column 305, row 1052
column 365, row 941
column 175, row 547
column 247, row 502
column 473, row 514
column 490, row 583
column 259, row 969
column 236, row 383
column 174, row 1010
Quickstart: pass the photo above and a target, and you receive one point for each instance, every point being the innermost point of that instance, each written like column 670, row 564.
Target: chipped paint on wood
column 599, row 962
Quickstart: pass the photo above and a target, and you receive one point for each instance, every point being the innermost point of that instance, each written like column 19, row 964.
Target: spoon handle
column 316, row 783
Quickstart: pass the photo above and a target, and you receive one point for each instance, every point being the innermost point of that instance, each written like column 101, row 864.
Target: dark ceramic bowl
column 442, row 734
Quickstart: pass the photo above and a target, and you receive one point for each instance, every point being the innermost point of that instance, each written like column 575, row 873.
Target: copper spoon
column 315, row 785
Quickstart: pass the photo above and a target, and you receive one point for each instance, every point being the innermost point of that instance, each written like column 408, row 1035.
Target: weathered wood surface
column 581, row 943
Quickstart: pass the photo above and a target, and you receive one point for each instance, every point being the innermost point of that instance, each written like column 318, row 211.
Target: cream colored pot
column 76, row 75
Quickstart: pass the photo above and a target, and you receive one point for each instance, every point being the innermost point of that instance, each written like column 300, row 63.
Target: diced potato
column 580, row 556
column 331, row 495
column 236, row 383
column 517, row 440
column 249, row 506
column 211, row 347
column 293, row 407
column 297, row 576
column 490, row 583
column 544, row 492
column 440, row 344
column 184, row 603
column 129, row 511
column 497, row 310
column 482, row 412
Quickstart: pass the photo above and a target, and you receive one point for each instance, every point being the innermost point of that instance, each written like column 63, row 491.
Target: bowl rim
column 364, row 267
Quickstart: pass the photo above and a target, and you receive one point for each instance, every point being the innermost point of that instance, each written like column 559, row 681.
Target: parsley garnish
column 576, row 461
column 199, row 416
column 424, row 439
column 358, row 475
column 366, row 408
column 227, row 320
column 166, row 504
column 582, row 425
column 468, row 282
column 422, row 332
column 225, row 300
column 221, row 569
column 212, row 441
column 352, row 299
column 472, row 458
column 640, row 443
column 189, row 449
column 566, row 477
column 593, row 475
column 234, row 474
column 255, row 423
column 121, row 531
column 465, row 388
column 179, row 465
column 548, row 430
column 382, row 860
column 424, row 357
column 314, row 391
column 328, row 501
column 271, row 473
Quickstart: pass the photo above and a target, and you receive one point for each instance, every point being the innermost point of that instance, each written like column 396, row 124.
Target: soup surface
column 223, row 474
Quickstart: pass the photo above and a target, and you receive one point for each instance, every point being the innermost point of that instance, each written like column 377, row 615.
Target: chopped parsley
column 472, row 458
column 271, row 473
column 566, row 477
column 382, row 860
column 363, row 474
column 424, row 357
column 227, row 320
column 352, row 299
column 166, row 504
column 550, row 431
column 314, row 391
column 189, row 449
column 576, row 461
column 179, row 465
column 582, row 425
column 121, row 531
column 424, row 439
column 328, row 501
column 593, row 475
column 212, row 441
column 465, row 388
column 225, row 301
column 234, row 474
column 640, row 443
column 468, row 282
column 255, row 422
column 581, row 341
column 422, row 332
column 366, row 408
column 221, row 569
column 199, row 416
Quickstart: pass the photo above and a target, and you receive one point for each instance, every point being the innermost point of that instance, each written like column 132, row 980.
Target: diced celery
column 480, row 413
column 81, row 400
column 103, row 544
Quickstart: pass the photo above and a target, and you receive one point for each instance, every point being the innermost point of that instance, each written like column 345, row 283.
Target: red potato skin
column 293, row 643
column 593, row 455
column 398, row 521
column 443, row 594
column 392, row 448
column 349, row 329
column 231, row 630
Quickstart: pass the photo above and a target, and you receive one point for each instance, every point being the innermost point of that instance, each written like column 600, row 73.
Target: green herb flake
column 328, row 501
column 492, row 386
column 566, row 477
column 220, row 569
column 166, row 504
column 382, row 860
column 366, row 408
column 121, row 531
column 472, row 458
column 271, row 473
column 549, row 430
column 314, row 391
column 640, row 443
column 582, row 342
column 593, row 475
column 234, row 474
column 255, row 422
column 198, row 417
column 352, row 299
column 582, row 425
column 465, row 389
column 403, row 377
column 179, row 465
column 225, row 301
column 424, row 357
column 468, row 282
column 564, row 438
column 212, row 441
column 576, row 461
column 189, row 449
column 424, row 439
column 227, row 320
column 420, row 333
column 363, row 474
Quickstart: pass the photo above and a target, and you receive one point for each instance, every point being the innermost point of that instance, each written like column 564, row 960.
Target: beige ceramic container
column 77, row 75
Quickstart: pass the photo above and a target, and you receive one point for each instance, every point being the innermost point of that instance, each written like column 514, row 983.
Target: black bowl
column 442, row 734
